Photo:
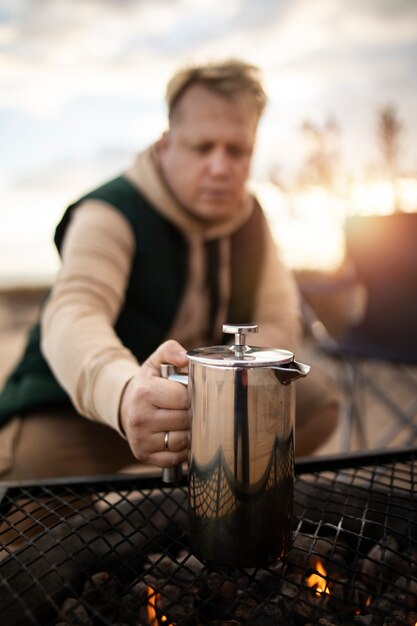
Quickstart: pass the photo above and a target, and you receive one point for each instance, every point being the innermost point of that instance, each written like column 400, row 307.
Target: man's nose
column 219, row 162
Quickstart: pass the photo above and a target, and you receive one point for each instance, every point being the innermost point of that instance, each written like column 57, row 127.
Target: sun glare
column 308, row 223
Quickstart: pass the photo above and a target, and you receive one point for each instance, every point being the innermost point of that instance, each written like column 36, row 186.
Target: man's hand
column 152, row 406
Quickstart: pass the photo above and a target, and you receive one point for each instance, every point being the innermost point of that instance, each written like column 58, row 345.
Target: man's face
column 205, row 156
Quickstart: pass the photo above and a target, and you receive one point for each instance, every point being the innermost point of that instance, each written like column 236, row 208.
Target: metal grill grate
column 83, row 551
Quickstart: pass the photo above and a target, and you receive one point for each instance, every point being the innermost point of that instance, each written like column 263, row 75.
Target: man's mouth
column 217, row 194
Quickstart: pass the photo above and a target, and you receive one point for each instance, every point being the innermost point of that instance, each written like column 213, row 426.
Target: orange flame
column 317, row 579
column 152, row 597
column 368, row 602
column 153, row 620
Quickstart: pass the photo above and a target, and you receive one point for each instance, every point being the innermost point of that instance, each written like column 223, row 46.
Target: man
column 153, row 263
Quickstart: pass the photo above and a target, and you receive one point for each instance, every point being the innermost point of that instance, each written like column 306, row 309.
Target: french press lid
column 239, row 354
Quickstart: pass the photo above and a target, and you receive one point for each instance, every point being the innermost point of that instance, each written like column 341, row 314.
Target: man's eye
column 202, row 148
column 236, row 151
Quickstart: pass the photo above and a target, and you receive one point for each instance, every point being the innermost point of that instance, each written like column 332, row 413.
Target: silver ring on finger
column 166, row 440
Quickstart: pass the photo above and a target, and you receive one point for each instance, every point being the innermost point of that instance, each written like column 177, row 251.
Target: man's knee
column 52, row 443
column 317, row 411
column 315, row 431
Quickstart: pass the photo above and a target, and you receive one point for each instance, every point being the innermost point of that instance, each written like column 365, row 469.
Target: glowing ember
column 317, row 579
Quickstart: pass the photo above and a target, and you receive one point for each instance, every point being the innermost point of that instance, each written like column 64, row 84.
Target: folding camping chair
column 378, row 355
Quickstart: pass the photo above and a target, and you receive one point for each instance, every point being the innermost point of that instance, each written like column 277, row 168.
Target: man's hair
column 232, row 79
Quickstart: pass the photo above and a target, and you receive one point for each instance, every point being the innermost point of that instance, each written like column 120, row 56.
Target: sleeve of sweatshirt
column 277, row 307
column 78, row 340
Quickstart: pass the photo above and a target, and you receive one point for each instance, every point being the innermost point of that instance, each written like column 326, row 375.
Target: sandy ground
column 19, row 309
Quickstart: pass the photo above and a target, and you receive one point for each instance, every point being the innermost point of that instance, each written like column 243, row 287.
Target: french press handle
column 172, row 474
column 239, row 331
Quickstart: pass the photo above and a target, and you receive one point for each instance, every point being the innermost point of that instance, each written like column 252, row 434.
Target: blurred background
column 82, row 90
column 82, row 87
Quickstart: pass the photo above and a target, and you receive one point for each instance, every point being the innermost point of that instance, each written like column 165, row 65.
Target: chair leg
column 403, row 419
column 359, row 384
column 352, row 410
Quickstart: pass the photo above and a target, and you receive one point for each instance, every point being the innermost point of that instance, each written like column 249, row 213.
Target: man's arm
column 102, row 377
column 78, row 339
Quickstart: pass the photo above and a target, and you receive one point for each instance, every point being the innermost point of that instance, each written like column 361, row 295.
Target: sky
column 82, row 89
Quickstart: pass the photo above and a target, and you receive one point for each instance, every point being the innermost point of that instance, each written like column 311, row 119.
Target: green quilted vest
column 154, row 291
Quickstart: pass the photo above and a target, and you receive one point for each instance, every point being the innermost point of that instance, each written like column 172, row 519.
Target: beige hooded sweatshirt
column 78, row 339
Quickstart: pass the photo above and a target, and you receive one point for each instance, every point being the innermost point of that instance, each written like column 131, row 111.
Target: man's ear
column 163, row 142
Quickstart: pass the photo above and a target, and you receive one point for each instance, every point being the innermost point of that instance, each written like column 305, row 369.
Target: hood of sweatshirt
column 145, row 173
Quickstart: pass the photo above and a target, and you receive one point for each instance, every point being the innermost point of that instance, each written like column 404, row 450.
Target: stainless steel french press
column 241, row 459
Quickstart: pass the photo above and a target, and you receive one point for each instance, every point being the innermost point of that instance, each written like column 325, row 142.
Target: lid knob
column 239, row 331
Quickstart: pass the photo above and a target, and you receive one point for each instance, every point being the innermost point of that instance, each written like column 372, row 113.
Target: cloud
column 93, row 30
column 61, row 58
column 82, row 84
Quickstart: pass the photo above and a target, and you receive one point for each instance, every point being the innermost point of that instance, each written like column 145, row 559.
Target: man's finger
column 170, row 352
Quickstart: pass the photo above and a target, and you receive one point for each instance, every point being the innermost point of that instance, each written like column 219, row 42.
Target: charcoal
column 268, row 614
column 101, row 591
column 383, row 562
column 224, row 597
column 73, row 612
column 267, row 582
column 328, row 621
column 408, row 591
column 138, row 543
column 96, row 537
column 367, row 620
column 129, row 608
column 306, row 604
column 172, row 603
column 411, row 556
column 397, row 618
column 290, row 588
column 246, row 607
column 139, row 590
column 216, row 596
column 303, row 611
column 67, row 624
column 383, row 605
column 309, row 497
column 347, row 596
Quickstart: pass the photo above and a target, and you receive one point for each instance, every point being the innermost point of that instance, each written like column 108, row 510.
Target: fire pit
column 114, row 552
